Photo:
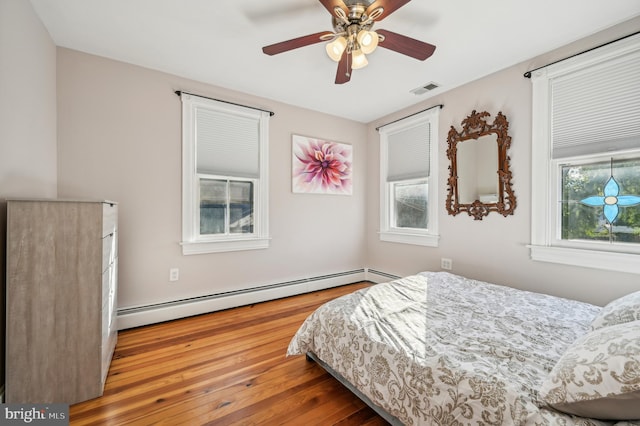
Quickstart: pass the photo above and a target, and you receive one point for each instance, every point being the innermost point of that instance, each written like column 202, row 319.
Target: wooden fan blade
column 295, row 43
column 343, row 74
column 389, row 7
column 331, row 4
column 406, row 45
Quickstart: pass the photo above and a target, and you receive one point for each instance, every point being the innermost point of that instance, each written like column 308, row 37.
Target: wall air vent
column 425, row 88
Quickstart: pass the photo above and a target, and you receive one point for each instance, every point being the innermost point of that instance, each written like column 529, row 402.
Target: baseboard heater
column 372, row 273
column 165, row 311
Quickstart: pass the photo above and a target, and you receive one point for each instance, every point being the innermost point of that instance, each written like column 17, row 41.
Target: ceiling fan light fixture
column 368, row 41
column 359, row 60
column 336, row 48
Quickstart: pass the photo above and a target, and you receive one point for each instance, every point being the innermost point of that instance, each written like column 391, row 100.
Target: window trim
column 428, row 237
column 544, row 243
column 192, row 242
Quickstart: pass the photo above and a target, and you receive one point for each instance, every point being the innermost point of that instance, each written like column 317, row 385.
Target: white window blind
column 227, row 144
column 408, row 153
column 597, row 109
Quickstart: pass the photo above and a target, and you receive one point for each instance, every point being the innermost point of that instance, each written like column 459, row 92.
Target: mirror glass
column 478, row 170
column 480, row 178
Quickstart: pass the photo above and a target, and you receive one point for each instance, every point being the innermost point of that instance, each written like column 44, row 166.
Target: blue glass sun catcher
column 611, row 201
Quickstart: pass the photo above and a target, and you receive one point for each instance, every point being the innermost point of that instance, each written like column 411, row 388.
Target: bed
column 440, row 349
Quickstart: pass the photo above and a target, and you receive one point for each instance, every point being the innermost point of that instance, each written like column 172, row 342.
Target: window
column 586, row 159
column 226, row 206
column 409, row 180
column 594, row 207
column 224, row 176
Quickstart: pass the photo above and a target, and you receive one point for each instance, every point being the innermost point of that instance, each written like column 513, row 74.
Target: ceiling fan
column 353, row 37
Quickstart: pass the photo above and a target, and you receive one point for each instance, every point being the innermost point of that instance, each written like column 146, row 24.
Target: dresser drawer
column 109, row 218
column 109, row 250
column 109, row 282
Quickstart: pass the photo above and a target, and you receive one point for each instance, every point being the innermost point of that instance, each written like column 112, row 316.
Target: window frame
column 546, row 243
column 192, row 241
column 424, row 237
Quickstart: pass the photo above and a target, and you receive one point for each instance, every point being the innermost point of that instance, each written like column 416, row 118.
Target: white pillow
column 624, row 309
column 599, row 375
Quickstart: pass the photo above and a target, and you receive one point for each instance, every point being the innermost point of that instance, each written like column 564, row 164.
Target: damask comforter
column 440, row 349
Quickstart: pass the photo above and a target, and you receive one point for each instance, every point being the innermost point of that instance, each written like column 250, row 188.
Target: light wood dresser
column 62, row 269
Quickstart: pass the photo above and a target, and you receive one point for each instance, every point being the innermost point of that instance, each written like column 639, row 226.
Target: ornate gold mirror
column 479, row 174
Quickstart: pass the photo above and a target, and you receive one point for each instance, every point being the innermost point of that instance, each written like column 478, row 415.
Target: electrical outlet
column 174, row 274
column 446, row 264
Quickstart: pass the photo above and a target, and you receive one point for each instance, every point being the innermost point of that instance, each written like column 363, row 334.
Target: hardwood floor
column 224, row 368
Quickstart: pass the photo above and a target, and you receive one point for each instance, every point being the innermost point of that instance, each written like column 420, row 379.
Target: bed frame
column 388, row 417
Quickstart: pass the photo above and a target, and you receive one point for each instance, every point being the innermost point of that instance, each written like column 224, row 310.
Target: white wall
column 120, row 139
column 27, row 118
column 493, row 249
column 27, row 103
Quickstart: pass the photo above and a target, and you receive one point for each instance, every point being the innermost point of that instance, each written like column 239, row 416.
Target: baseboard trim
column 160, row 312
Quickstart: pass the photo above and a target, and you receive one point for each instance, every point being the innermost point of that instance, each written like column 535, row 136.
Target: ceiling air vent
column 425, row 88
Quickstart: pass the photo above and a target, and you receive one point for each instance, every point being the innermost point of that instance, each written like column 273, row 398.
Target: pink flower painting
column 321, row 167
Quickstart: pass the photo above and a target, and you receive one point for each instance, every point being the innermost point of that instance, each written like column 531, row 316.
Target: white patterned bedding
column 440, row 349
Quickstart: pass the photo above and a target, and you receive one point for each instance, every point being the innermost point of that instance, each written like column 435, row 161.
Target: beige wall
column 27, row 117
column 119, row 129
column 493, row 249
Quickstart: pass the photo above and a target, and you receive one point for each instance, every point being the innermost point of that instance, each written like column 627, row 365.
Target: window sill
column 427, row 240
column 619, row 262
column 203, row 247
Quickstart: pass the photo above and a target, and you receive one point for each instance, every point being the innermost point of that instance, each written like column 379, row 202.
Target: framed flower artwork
column 321, row 166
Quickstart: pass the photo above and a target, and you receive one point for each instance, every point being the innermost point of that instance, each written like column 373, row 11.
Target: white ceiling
column 219, row 42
